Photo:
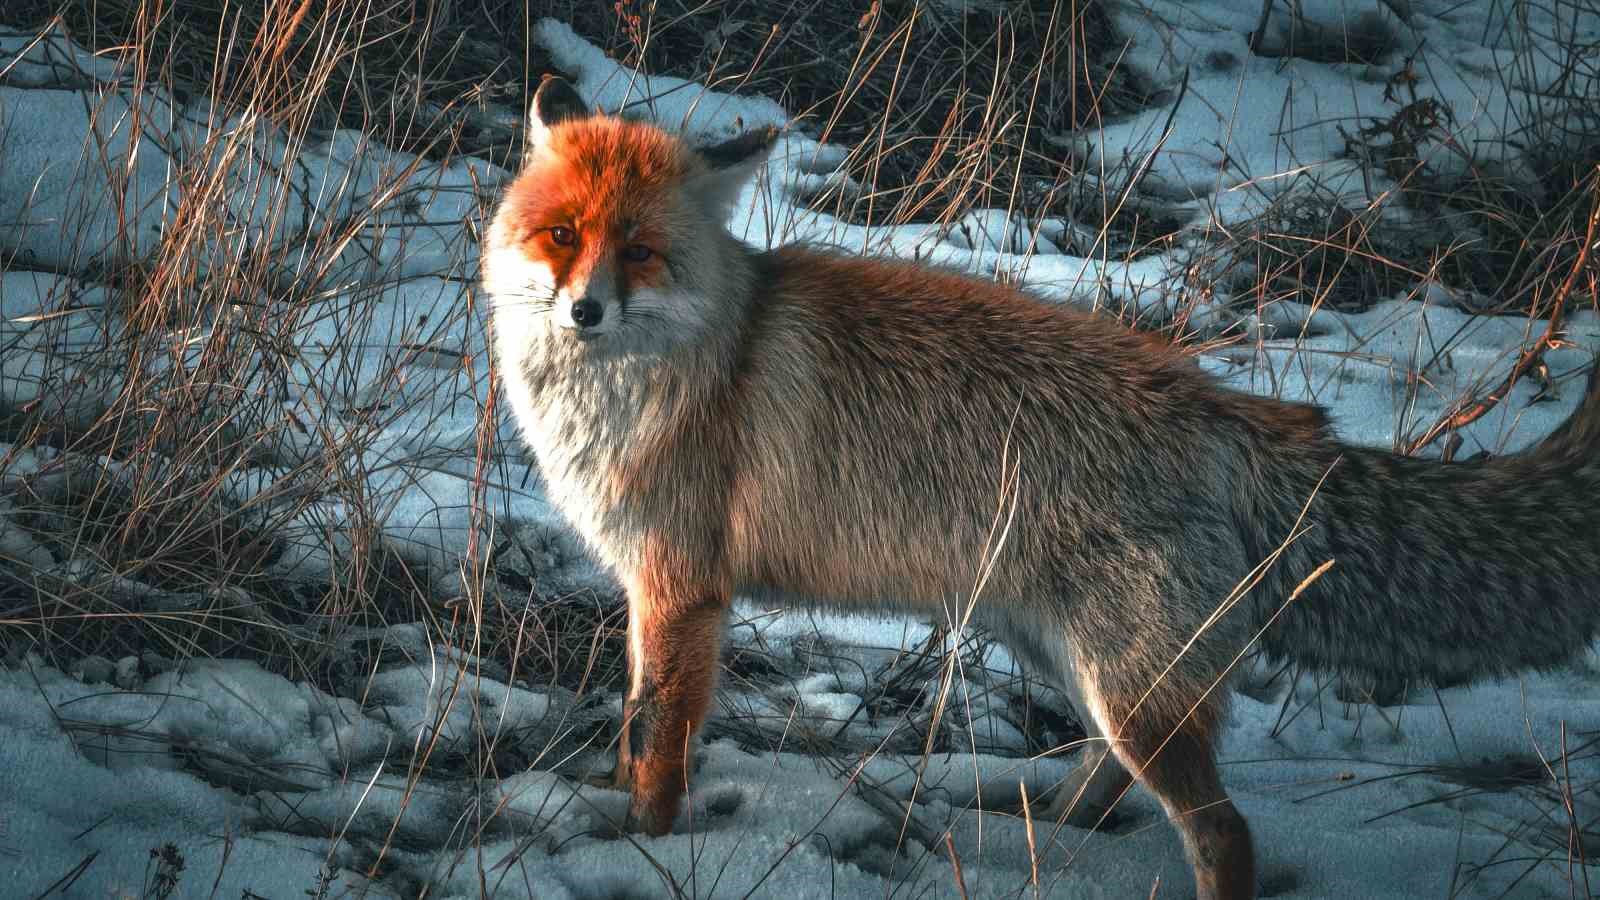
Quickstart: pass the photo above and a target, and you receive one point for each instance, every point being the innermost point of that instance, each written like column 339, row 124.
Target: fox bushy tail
column 1447, row 571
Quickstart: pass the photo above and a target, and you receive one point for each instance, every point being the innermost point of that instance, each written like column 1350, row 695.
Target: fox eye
column 563, row 236
column 636, row 253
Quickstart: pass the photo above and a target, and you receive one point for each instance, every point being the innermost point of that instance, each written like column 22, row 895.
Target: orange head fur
column 612, row 236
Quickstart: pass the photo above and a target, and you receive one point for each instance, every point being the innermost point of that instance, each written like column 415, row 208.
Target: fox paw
column 615, row 780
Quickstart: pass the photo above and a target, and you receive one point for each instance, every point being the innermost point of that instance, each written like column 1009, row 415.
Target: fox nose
column 587, row 313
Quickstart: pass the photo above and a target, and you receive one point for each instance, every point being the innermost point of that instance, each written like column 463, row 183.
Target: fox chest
column 584, row 442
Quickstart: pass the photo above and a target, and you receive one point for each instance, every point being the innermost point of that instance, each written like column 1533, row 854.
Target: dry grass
column 142, row 507
column 945, row 109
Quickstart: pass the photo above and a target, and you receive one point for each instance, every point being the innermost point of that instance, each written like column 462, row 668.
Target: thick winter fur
column 807, row 426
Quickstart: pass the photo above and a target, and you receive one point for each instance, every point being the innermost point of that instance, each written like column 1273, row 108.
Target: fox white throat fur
column 805, row 425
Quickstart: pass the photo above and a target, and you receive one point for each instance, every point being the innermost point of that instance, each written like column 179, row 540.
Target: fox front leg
column 675, row 625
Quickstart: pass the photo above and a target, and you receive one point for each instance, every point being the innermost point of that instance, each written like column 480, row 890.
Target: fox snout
column 585, row 315
column 587, row 308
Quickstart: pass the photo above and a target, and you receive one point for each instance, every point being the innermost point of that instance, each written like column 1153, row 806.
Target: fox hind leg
column 1168, row 746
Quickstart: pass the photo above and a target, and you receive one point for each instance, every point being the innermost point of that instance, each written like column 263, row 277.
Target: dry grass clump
column 945, row 107
column 416, row 77
column 1501, row 227
column 166, row 399
column 1309, row 247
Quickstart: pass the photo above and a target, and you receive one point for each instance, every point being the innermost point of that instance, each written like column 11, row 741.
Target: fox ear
column 731, row 164
column 556, row 100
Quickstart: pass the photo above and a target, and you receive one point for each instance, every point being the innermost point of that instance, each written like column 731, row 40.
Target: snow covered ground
column 272, row 788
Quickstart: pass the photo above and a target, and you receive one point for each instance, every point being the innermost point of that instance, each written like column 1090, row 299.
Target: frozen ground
column 271, row 788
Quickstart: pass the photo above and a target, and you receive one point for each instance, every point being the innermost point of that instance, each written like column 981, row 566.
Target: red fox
column 812, row 427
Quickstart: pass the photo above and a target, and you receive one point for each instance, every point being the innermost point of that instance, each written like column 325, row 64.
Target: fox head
column 612, row 239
